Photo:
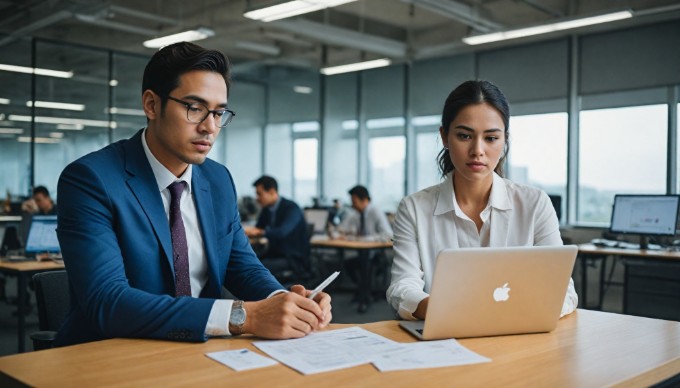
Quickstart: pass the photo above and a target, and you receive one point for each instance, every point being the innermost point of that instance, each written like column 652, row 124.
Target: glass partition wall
column 584, row 126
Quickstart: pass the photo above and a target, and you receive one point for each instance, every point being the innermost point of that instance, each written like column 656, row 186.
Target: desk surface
column 29, row 266
column 657, row 254
column 350, row 244
column 588, row 348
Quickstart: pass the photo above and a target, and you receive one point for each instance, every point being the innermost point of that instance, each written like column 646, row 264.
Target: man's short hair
column 165, row 67
column 267, row 183
column 41, row 190
column 360, row 192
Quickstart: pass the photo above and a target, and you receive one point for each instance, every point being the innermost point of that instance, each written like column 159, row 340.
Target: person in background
column 474, row 206
column 41, row 203
column 150, row 231
column 283, row 223
column 366, row 222
column 335, row 215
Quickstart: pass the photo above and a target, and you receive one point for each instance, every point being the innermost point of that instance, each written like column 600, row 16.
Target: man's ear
column 151, row 103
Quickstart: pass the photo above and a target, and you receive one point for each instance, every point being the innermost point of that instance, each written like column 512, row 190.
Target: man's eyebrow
column 464, row 127
column 202, row 100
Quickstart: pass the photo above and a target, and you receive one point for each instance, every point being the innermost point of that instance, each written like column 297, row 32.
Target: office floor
column 344, row 310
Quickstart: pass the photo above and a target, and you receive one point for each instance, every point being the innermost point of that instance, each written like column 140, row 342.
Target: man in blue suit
column 283, row 223
column 149, row 227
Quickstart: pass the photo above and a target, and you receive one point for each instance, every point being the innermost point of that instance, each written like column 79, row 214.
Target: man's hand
column 252, row 231
column 324, row 301
column 287, row 315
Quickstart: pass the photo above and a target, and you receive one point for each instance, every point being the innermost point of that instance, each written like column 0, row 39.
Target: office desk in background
column 365, row 251
column 588, row 348
column 590, row 252
column 23, row 270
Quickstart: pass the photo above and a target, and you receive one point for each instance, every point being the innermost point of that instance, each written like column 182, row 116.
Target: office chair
column 52, row 295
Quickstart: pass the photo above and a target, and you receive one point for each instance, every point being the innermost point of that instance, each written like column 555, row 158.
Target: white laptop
column 479, row 292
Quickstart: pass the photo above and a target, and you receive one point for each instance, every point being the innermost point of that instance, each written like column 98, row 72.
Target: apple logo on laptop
column 501, row 294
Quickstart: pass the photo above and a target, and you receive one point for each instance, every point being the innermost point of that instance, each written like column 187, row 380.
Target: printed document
column 329, row 350
column 428, row 354
column 241, row 359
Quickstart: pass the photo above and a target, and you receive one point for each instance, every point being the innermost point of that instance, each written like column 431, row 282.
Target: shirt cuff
column 218, row 320
column 409, row 304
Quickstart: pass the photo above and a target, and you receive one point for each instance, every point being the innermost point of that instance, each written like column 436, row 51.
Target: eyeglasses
column 197, row 112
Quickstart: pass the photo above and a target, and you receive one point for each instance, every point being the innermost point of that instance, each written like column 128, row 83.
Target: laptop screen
column 42, row 235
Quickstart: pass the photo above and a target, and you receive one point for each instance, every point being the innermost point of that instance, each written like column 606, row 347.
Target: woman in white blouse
column 474, row 206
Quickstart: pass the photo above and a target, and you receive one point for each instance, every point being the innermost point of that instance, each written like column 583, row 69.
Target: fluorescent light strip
column 355, row 66
column 186, row 36
column 43, row 140
column 70, row 127
column 306, row 126
column 387, row 122
column 11, row 131
column 37, row 70
column 56, row 135
column 56, row 105
column 292, row 8
column 350, row 125
column 125, row 111
column 544, row 29
column 64, row 120
column 4, row 101
column 302, row 89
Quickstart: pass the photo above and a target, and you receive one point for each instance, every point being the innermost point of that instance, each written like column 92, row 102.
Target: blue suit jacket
column 288, row 237
column 115, row 239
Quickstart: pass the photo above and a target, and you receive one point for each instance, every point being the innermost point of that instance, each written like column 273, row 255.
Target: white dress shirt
column 376, row 225
column 431, row 220
column 218, row 321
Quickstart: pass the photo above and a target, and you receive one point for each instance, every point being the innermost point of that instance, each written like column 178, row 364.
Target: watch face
column 238, row 317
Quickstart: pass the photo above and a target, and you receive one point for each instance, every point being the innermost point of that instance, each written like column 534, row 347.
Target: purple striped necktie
column 180, row 250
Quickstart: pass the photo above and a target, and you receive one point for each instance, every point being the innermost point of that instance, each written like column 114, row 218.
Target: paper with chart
column 241, row 359
column 428, row 354
column 329, row 350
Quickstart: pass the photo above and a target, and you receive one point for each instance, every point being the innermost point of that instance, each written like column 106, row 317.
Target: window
column 621, row 151
column 428, row 144
column 244, row 156
column 386, row 159
column 305, row 165
column 538, row 152
column 278, row 145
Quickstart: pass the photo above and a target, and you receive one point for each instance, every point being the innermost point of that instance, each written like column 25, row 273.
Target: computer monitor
column 317, row 217
column 42, row 235
column 645, row 215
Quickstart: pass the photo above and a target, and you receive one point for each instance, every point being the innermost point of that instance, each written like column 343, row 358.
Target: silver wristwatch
column 237, row 318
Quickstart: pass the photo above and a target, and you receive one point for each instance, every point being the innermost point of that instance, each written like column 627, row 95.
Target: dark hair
column 469, row 93
column 267, row 183
column 41, row 190
column 162, row 73
column 360, row 192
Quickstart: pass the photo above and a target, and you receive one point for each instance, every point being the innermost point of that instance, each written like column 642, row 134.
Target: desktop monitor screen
column 42, row 235
column 317, row 217
column 645, row 214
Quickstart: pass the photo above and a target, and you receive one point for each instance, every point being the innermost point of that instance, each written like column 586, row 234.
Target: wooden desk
column 23, row 270
column 592, row 252
column 588, row 349
column 364, row 250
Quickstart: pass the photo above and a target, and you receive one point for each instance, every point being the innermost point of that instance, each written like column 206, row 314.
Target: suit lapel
column 142, row 183
column 206, row 219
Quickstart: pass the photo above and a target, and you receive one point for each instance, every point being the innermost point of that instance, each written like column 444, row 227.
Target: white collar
column 163, row 176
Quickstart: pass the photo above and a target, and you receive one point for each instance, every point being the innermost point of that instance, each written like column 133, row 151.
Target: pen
column 323, row 285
